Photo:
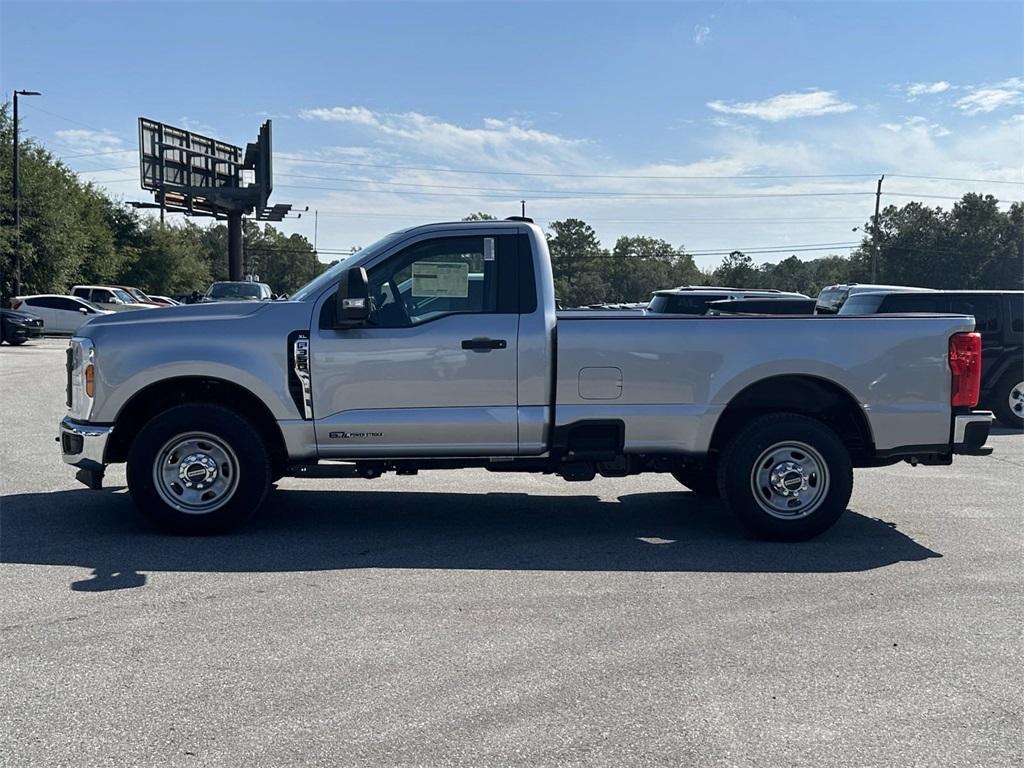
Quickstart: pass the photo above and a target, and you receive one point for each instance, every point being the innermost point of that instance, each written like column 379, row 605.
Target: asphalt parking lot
column 468, row 618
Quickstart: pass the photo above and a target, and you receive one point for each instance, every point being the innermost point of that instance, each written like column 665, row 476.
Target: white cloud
column 926, row 89
column 497, row 142
column 987, row 98
column 83, row 140
column 917, row 124
column 701, row 34
column 358, row 115
column 786, row 106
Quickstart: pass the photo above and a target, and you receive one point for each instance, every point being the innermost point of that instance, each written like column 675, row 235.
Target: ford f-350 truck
column 439, row 347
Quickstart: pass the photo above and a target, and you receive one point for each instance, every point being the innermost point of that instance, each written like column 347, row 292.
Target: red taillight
column 16, row 304
column 965, row 364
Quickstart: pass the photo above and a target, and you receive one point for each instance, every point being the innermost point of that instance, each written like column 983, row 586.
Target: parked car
column 17, row 327
column 209, row 408
column 238, row 291
column 60, row 314
column 109, row 297
column 998, row 316
column 832, row 297
column 763, row 306
column 694, row 300
column 166, row 301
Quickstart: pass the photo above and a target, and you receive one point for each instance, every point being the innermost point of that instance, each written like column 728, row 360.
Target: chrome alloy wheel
column 789, row 480
column 1016, row 399
column 195, row 473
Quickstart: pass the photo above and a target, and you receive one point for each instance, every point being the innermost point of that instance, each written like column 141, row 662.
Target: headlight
column 81, row 378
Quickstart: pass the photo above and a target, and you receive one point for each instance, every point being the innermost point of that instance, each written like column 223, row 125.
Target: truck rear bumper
column 83, row 445
column 970, row 433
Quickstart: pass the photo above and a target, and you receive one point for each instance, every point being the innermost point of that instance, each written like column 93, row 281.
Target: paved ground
column 476, row 619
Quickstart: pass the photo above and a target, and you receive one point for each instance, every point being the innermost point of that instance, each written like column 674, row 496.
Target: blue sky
column 392, row 114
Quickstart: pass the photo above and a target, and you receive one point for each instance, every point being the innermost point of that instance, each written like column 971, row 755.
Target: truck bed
column 669, row 377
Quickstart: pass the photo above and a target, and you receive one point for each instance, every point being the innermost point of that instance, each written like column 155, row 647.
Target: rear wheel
column 198, row 469
column 786, row 477
column 1008, row 399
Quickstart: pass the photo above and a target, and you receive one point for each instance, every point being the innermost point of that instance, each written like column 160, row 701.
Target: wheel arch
column 805, row 394
column 167, row 393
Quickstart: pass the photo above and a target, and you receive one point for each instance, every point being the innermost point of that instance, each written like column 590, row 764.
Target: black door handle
column 483, row 345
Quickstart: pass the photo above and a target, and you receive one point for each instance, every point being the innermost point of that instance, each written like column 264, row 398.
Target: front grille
column 68, row 364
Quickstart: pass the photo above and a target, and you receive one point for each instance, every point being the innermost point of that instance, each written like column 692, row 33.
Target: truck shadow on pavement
column 302, row 530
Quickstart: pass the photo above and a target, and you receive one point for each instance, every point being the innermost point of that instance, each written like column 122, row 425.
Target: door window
column 81, row 293
column 451, row 275
column 44, row 302
column 1015, row 302
column 105, row 297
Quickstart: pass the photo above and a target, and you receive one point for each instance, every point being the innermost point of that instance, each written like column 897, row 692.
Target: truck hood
column 225, row 310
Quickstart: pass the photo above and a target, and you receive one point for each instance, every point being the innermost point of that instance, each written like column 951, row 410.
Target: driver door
column 432, row 372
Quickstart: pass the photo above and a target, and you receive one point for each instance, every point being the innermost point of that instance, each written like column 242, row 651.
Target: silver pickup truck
column 439, row 347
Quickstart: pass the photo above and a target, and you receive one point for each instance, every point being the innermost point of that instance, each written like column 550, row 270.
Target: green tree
column 974, row 245
column 170, row 259
column 641, row 265
column 480, row 216
column 737, row 271
column 575, row 253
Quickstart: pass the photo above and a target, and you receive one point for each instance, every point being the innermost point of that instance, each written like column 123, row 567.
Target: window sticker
column 440, row 279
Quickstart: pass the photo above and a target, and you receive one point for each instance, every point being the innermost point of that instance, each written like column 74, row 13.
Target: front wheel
column 786, row 477
column 198, row 469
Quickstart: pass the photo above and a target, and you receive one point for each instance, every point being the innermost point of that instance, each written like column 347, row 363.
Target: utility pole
column 874, row 232
column 16, row 194
column 235, row 272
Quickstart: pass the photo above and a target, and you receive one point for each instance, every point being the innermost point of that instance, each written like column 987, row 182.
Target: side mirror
column 353, row 299
column 83, row 310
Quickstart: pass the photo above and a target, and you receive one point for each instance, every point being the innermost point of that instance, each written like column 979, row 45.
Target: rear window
column 912, row 302
column 984, row 308
column 831, row 300
column 683, row 304
column 861, row 304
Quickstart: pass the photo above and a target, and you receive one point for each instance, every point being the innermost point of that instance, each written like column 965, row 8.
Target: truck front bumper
column 83, row 446
column 970, row 433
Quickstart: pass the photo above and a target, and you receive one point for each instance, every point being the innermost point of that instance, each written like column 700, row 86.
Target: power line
column 570, row 195
column 955, row 178
column 695, row 220
column 434, row 169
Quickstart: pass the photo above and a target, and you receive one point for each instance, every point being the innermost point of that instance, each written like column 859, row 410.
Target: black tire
column 216, row 440
column 1009, row 385
column 703, row 481
column 754, row 460
column 15, row 342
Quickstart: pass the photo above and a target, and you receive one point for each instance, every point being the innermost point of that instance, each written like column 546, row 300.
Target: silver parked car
column 60, row 314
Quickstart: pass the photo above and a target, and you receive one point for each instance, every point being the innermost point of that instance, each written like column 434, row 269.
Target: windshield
column 234, row 291
column 830, row 300
column 313, row 288
column 139, row 295
column 124, row 296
